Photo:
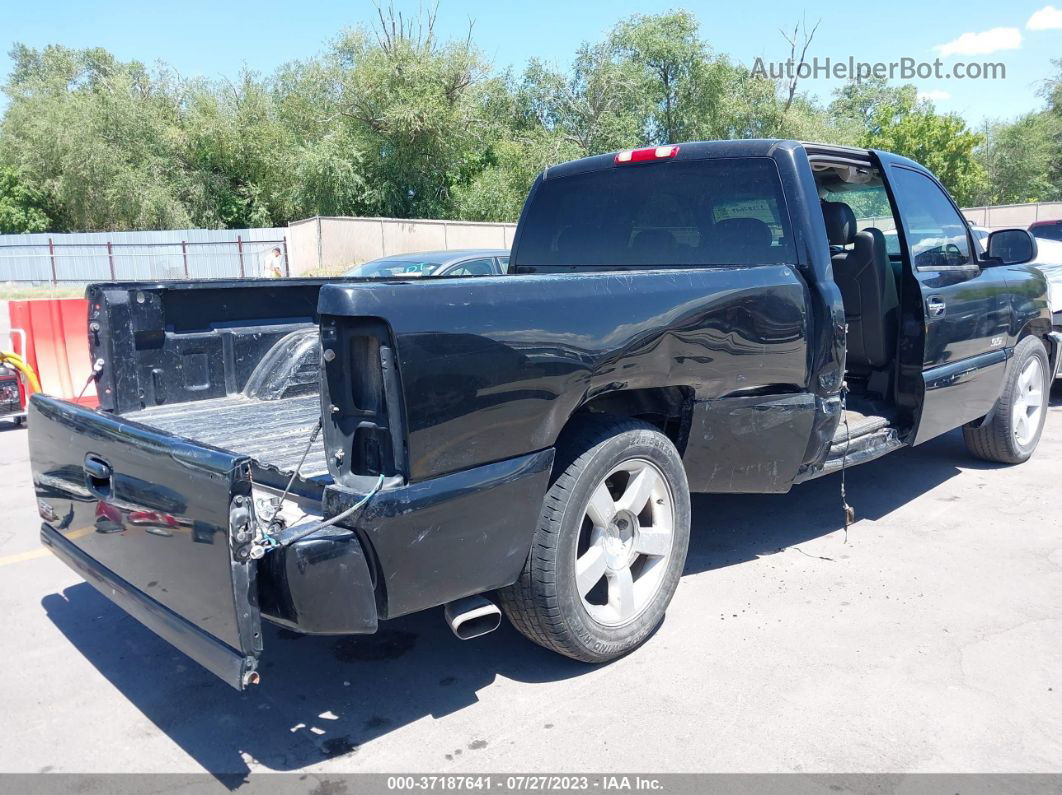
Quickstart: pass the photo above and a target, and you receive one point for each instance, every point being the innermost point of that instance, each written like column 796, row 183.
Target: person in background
column 273, row 264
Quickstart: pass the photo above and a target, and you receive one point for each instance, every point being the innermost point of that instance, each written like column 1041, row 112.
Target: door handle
column 935, row 306
column 98, row 474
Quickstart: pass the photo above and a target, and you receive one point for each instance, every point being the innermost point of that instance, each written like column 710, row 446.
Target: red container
column 56, row 345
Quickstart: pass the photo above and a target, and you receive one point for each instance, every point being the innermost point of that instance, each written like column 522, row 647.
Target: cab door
column 966, row 313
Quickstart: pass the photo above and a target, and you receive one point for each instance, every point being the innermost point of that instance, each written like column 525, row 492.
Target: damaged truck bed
column 274, row 433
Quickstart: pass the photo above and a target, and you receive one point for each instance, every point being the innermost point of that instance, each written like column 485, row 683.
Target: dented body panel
column 493, row 368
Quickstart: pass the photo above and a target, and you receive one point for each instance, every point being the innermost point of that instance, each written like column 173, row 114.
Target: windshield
column 728, row 211
column 383, row 268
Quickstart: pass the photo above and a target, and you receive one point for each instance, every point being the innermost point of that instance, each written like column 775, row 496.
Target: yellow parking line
column 21, row 556
column 41, row 552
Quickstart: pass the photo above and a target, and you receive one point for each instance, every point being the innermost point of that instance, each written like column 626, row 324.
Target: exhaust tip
column 472, row 616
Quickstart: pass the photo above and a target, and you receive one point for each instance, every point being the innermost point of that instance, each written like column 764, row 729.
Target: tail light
column 648, row 153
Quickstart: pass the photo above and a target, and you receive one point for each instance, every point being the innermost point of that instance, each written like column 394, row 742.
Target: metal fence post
column 287, row 266
column 110, row 260
column 239, row 249
column 184, row 256
column 51, row 254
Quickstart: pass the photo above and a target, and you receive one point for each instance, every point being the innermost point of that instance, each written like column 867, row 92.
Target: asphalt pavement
column 930, row 640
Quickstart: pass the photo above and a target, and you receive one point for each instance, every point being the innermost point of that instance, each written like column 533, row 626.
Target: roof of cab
column 691, row 150
column 751, row 147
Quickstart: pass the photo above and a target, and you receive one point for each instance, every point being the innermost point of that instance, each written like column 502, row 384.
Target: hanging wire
column 849, row 511
column 295, row 474
column 272, row 542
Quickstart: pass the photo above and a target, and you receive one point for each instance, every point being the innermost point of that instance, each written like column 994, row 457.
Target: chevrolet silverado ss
column 703, row 317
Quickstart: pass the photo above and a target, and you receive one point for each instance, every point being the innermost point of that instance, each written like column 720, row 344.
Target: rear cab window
column 723, row 211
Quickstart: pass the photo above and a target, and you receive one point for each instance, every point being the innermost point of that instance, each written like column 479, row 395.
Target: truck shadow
column 734, row 528
column 324, row 697
column 320, row 697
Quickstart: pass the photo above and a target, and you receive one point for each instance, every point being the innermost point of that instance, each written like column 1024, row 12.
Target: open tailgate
column 152, row 521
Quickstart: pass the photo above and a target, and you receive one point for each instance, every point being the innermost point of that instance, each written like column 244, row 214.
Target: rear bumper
column 217, row 657
column 448, row 537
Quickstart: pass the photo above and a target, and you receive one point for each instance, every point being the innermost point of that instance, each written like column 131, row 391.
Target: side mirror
column 1012, row 246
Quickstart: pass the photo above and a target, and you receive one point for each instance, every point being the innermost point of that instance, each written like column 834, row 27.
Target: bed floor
column 273, row 432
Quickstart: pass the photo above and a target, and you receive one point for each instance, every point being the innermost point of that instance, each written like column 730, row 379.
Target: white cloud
column 1047, row 18
column 982, row 43
column 934, row 96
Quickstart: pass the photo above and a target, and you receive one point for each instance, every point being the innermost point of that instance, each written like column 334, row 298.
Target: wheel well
column 667, row 407
column 1038, row 327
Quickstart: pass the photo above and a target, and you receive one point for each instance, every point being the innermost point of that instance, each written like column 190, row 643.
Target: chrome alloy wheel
column 625, row 541
column 1028, row 402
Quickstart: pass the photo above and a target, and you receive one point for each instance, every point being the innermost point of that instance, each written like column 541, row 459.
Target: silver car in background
column 434, row 264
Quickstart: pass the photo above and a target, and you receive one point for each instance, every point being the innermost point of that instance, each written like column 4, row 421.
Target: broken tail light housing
column 645, row 154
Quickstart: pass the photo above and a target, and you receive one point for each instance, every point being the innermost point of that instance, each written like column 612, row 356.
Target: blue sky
column 215, row 39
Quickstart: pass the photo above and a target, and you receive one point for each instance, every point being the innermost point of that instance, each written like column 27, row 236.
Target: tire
column 1013, row 433
column 616, row 461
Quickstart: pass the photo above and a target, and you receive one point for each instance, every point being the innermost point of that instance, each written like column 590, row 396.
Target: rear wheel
column 1013, row 433
column 610, row 545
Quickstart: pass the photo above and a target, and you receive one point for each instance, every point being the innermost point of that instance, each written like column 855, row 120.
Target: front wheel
column 610, row 544
column 1013, row 433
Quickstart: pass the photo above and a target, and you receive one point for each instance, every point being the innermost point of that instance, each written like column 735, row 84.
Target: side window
column 503, row 264
column 870, row 204
column 936, row 233
column 472, row 267
column 872, row 210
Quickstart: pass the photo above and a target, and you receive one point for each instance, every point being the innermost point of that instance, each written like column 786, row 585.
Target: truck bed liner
column 273, row 432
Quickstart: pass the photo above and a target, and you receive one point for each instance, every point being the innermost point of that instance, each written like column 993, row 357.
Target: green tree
column 667, row 49
column 497, row 192
column 893, row 119
column 392, row 120
column 22, row 209
column 408, row 103
column 1021, row 160
column 598, row 106
column 98, row 138
column 242, row 151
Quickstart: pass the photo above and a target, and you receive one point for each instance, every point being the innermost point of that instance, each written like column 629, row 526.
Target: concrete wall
column 1009, row 215
column 328, row 245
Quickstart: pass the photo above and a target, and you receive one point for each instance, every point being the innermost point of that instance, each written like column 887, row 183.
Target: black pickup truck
column 706, row 317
